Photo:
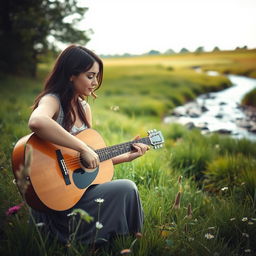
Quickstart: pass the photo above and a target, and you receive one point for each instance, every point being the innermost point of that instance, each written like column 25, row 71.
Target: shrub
column 250, row 98
column 236, row 172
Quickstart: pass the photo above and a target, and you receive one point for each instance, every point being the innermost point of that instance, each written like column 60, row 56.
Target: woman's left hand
column 139, row 150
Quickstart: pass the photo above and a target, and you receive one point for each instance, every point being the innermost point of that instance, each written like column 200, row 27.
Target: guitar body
column 58, row 179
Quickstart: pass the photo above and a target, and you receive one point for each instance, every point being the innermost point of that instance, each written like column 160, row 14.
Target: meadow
column 198, row 192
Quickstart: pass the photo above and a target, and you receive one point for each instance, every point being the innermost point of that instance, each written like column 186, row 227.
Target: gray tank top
column 74, row 130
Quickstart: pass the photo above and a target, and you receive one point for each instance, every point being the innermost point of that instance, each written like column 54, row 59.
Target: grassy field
column 198, row 192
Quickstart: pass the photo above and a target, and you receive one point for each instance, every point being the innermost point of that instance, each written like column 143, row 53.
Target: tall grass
column 182, row 216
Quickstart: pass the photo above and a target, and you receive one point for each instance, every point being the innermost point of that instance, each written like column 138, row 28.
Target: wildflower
column 114, row 108
column 179, row 182
column 247, row 250
column 232, row 219
column 126, row 251
column 245, row 235
column 217, row 146
column 250, row 223
column 244, row 219
column 68, row 245
column 186, row 228
column 224, row 188
column 189, row 211
column 98, row 225
column 40, row 224
column 209, row 236
column 176, row 204
column 72, row 214
column 13, row 210
column 99, row 200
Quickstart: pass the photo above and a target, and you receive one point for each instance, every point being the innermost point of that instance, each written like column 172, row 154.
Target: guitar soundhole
column 83, row 179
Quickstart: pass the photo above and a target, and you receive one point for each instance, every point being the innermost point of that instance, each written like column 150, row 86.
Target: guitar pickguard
column 83, row 179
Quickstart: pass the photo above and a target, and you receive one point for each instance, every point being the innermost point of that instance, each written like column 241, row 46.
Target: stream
column 219, row 111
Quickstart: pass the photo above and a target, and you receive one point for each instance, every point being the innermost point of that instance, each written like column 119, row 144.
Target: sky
column 138, row 26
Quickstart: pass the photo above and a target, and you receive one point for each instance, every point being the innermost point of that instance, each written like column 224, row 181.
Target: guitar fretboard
column 116, row 150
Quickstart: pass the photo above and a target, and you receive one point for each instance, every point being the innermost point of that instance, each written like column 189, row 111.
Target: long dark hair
column 72, row 61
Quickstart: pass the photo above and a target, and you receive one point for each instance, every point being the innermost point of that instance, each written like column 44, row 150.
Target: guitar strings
column 104, row 153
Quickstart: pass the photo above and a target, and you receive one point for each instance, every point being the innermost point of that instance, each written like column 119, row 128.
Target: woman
column 60, row 112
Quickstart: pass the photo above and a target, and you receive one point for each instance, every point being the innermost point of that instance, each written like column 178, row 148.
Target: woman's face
column 85, row 83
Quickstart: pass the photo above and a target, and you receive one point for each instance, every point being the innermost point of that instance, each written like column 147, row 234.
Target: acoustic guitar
column 58, row 177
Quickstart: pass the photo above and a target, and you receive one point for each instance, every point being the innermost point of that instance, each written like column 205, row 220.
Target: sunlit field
column 198, row 192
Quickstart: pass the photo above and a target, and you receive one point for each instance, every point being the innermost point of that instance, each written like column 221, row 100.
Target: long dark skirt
column 120, row 214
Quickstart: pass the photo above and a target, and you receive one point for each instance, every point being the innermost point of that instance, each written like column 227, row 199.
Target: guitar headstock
column 156, row 138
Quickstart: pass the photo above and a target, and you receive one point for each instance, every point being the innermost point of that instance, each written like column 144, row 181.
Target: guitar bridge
column 63, row 167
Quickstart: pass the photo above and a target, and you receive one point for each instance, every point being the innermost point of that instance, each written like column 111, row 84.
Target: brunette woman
column 60, row 112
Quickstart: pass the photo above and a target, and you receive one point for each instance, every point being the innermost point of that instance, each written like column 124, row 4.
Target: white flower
column 72, row 214
column 209, row 236
column 244, row 219
column 99, row 200
column 99, row 225
column 224, row 188
column 40, row 224
column 245, row 235
column 247, row 250
column 114, row 108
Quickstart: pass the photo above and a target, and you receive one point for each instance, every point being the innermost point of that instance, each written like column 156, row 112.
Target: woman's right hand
column 89, row 158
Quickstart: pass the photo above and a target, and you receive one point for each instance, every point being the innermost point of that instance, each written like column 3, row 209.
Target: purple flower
column 13, row 210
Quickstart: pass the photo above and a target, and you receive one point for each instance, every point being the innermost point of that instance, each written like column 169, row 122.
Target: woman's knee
column 126, row 186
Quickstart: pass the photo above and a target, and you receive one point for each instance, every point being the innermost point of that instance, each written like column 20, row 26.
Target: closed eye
column 91, row 75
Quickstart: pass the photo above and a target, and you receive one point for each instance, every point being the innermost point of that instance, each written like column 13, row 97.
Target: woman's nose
column 95, row 81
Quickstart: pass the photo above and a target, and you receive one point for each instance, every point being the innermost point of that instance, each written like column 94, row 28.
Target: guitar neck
column 116, row 150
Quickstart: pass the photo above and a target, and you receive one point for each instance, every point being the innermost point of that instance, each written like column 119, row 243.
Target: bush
column 250, row 98
column 235, row 173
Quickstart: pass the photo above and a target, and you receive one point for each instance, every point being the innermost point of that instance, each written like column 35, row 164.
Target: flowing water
column 219, row 110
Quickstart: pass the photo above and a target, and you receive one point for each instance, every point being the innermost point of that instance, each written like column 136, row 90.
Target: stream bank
column 220, row 111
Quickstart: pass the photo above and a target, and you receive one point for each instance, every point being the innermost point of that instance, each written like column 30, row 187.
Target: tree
column 216, row 49
column 199, row 50
column 170, row 51
column 26, row 26
column 184, row 50
column 153, row 52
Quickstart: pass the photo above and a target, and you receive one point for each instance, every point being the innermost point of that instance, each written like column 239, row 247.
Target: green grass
column 137, row 93
column 250, row 99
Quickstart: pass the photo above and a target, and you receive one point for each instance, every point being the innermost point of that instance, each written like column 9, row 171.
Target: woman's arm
column 42, row 124
column 139, row 150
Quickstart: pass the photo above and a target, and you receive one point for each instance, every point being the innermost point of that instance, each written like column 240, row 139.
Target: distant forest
column 198, row 50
